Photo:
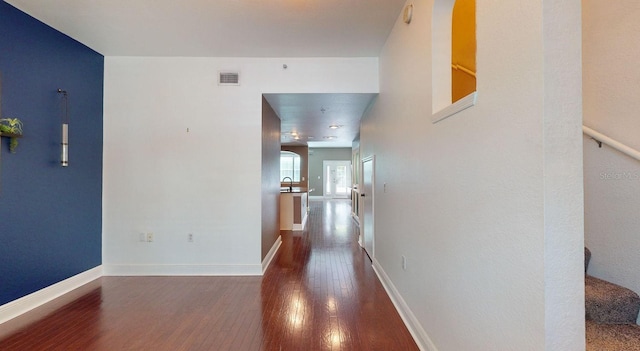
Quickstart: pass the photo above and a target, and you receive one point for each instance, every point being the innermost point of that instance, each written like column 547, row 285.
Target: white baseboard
column 182, row 269
column 327, row 198
column 301, row 225
column 27, row 303
column 355, row 218
column 419, row 335
column 271, row 254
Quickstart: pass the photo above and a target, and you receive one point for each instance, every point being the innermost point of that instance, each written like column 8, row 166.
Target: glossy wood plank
column 320, row 293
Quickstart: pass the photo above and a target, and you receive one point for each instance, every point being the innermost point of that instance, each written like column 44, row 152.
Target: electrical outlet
column 190, row 237
column 149, row 237
column 404, row 263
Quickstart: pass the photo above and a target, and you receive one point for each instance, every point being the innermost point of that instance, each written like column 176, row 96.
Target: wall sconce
column 64, row 158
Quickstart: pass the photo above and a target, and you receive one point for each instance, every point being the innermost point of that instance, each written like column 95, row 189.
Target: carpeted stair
column 611, row 313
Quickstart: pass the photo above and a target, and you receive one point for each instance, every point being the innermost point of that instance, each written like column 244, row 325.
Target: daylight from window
column 290, row 165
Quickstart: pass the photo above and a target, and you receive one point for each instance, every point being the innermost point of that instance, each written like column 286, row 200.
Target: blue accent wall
column 50, row 216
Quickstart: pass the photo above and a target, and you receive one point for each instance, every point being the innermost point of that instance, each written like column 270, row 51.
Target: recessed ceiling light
column 335, row 126
column 296, row 137
column 330, row 137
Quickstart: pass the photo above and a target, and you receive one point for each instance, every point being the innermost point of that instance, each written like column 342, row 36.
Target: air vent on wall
column 228, row 78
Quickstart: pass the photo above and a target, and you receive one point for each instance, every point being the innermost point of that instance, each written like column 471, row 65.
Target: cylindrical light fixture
column 64, row 157
column 65, row 145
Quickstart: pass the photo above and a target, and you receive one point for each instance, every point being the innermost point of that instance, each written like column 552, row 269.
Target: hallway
column 320, row 293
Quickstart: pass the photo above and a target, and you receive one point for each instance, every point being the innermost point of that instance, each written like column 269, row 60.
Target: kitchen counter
column 295, row 189
column 293, row 208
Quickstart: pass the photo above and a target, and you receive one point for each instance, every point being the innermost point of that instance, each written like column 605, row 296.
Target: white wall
column 162, row 179
column 611, row 106
column 486, row 205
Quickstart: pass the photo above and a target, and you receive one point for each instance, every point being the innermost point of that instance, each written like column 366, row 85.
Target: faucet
column 290, row 183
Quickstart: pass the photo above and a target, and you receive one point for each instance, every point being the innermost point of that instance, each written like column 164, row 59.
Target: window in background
column 290, row 166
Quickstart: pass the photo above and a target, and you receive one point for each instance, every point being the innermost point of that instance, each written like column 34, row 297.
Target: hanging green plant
column 11, row 126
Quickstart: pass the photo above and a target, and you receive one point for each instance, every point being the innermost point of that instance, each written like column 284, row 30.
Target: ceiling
column 238, row 28
column 222, row 28
column 306, row 119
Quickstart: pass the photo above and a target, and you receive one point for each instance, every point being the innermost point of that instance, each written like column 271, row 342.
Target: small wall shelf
column 10, row 135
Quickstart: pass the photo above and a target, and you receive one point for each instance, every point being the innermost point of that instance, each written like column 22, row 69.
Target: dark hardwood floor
column 320, row 293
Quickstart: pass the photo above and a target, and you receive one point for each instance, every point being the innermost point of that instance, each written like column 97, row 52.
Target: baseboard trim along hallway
column 271, row 254
column 182, row 270
column 29, row 302
column 419, row 335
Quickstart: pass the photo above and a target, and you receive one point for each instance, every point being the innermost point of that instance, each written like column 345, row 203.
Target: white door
column 337, row 179
column 367, row 203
